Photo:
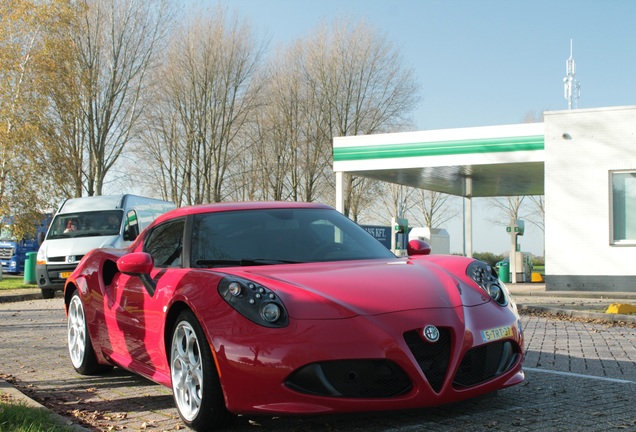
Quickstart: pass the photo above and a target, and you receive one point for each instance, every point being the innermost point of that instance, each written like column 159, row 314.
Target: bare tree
column 161, row 143
column 391, row 200
column 97, row 106
column 509, row 206
column 63, row 144
column 436, row 208
column 537, row 213
column 221, row 141
column 420, row 207
column 294, row 159
column 279, row 128
column 532, row 117
column 208, row 97
column 356, row 84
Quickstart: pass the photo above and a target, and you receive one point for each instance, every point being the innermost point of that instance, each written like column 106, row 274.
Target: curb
column 520, row 292
column 20, row 397
column 11, row 298
column 613, row 318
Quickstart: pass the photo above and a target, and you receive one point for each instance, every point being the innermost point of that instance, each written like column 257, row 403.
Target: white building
column 583, row 161
column 590, row 199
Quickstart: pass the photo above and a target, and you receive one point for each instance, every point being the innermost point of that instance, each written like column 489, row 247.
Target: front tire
column 48, row 293
column 195, row 383
column 80, row 348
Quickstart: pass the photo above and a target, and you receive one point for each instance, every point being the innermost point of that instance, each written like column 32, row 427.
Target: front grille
column 485, row 362
column 57, row 259
column 6, row 253
column 62, row 259
column 351, row 378
column 432, row 357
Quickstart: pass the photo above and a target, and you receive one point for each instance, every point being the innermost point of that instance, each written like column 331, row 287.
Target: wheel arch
column 171, row 320
column 69, row 289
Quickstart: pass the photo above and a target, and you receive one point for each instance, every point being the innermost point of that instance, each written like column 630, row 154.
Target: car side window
column 165, row 244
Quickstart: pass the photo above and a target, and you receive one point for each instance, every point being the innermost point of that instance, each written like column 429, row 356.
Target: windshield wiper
column 58, row 236
column 244, row 262
column 89, row 234
column 259, row 261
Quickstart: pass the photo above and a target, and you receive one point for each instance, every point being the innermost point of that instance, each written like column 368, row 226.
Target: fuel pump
column 400, row 236
column 515, row 228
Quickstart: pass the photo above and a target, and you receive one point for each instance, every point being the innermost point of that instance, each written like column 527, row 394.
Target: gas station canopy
column 469, row 162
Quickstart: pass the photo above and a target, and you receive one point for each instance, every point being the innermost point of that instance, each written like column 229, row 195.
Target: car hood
column 76, row 245
column 365, row 287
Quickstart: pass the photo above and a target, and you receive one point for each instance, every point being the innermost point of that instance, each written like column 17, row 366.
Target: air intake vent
column 485, row 362
column 432, row 357
column 351, row 378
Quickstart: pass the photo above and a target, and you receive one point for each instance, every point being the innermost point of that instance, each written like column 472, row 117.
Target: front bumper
column 370, row 363
column 53, row 276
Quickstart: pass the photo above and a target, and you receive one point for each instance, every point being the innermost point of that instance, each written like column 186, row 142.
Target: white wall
column 581, row 148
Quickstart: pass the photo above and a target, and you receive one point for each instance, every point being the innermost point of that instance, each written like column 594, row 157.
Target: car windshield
column 274, row 236
column 86, row 224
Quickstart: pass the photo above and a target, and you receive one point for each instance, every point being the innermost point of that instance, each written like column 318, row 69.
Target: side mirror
column 139, row 264
column 135, row 264
column 418, row 247
column 41, row 236
column 131, row 230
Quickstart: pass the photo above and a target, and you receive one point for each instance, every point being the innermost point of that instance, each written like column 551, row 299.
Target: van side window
column 165, row 244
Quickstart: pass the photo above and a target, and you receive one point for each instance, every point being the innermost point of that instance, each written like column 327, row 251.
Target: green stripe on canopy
column 438, row 148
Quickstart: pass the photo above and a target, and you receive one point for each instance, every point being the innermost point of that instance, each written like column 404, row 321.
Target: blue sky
column 482, row 63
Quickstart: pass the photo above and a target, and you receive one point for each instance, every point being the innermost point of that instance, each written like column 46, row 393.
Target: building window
column 623, row 207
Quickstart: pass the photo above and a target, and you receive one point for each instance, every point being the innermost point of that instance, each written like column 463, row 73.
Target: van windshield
column 86, row 224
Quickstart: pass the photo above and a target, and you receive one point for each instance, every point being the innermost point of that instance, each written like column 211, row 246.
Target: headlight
column 270, row 312
column 486, row 278
column 41, row 256
column 254, row 302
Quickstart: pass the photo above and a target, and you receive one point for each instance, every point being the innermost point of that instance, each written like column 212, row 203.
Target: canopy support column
column 340, row 191
column 468, row 217
column 468, row 227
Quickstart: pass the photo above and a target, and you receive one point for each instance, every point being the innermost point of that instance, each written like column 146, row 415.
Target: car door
column 140, row 312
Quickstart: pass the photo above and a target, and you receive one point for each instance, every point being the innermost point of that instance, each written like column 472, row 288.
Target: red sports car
column 290, row 308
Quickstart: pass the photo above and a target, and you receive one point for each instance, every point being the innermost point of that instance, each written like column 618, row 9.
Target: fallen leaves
column 563, row 317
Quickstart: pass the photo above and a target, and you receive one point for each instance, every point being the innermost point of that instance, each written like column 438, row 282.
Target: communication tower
column 572, row 87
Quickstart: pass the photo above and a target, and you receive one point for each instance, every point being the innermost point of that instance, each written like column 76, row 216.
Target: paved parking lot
column 580, row 376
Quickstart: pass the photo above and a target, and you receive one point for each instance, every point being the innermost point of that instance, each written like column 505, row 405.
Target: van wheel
column 48, row 293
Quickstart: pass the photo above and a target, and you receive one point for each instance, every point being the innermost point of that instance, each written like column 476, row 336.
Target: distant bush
column 492, row 259
column 538, row 261
column 488, row 257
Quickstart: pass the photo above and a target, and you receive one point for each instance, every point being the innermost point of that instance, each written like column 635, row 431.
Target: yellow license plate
column 64, row 275
column 496, row 333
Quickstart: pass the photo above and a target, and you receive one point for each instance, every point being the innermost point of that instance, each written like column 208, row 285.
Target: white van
column 83, row 224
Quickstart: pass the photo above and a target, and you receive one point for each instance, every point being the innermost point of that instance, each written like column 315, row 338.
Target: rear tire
column 195, row 383
column 80, row 347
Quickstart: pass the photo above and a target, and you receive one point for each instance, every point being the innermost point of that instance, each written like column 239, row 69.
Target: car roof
column 237, row 206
